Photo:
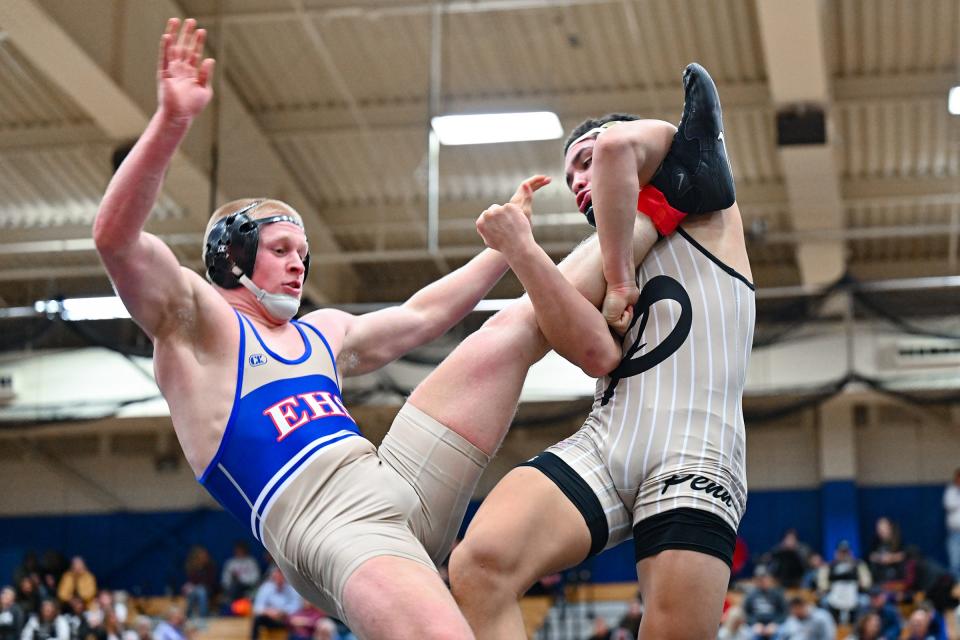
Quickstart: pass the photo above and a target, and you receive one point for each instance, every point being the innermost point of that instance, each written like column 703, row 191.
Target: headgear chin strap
column 279, row 305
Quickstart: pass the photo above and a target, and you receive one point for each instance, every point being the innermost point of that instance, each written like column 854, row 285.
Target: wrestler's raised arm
column 625, row 157
column 375, row 339
column 146, row 274
column 568, row 318
column 635, row 166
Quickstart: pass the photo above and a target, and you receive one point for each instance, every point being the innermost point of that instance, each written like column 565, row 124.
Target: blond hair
column 264, row 207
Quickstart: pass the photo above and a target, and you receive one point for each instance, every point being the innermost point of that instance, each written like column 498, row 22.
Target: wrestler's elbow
column 598, row 362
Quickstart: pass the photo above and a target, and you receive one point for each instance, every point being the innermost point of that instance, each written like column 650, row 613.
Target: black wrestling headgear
column 233, row 242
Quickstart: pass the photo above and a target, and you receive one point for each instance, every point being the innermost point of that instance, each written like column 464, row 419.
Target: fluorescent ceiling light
column 483, row 128
column 953, row 102
column 106, row 308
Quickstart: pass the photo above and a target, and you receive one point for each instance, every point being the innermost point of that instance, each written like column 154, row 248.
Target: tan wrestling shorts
column 355, row 502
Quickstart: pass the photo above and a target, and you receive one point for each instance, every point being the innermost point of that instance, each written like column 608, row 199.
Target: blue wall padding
column 139, row 552
column 917, row 508
column 144, row 552
column 840, row 514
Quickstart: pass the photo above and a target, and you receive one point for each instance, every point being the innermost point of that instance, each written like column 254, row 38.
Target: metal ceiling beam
column 568, row 105
column 927, row 190
column 375, row 10
column 53, row 272
column 398, row 115
column 54, row 52
column 793, row 38
column 54, row 136
column 898, row 86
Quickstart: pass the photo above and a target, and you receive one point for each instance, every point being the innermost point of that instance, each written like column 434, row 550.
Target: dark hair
column 861, row 627
column 593, row 123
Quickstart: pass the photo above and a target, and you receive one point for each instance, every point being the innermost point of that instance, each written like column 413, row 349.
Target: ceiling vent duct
column 915, row 353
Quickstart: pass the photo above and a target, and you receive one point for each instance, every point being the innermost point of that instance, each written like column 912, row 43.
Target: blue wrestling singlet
column 284, row 413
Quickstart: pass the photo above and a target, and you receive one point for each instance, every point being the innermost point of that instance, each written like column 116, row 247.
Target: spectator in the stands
column 53, row 562
column 274, row 603
column 52, row 566
column 28, row 596
column 923, row 575
column 47, row 625
column 632, row 618
column 765, row 606
column 77, row 581
column 886, row 554
column 201, row 581
column 880, row 604
column 601, row 630
column 868, row 628
column 807, row 622
column 12, row 618
column 302, row 622
column 110, row 627
column 28, row 567
column 842, row 581
column 814, row 562
column 938, row 625
column 787, row 561
column 105, row 603
column 241, row 573
column 325, row 630
column 951, row 505
column 733, row 625
column 76, row 617
column 173, row 626
column 142, row 629
column 919, row 626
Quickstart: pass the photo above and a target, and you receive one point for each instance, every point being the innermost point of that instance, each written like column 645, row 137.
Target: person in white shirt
column 47, row 625
column 951, row 504
column 241, row 573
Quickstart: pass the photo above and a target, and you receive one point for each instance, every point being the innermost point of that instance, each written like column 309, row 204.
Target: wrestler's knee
column 677, row 623
column 483, row 568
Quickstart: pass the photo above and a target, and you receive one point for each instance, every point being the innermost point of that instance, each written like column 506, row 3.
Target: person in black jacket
column 11, row 615
column 765, row 606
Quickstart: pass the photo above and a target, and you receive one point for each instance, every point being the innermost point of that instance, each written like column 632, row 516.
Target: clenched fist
column 504, row 227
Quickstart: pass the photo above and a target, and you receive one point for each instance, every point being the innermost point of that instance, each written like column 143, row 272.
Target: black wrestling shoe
column 695, row 177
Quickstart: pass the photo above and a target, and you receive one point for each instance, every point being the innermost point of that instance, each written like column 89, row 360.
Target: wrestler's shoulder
column 329, row 320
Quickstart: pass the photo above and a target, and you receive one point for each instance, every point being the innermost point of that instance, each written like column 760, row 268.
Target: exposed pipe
column 433, row 140
column 393, row 10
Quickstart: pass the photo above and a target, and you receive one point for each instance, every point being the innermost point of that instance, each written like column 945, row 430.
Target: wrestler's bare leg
column 504, row 554
column 398, row 599
column 673, row 579
column 475, row 390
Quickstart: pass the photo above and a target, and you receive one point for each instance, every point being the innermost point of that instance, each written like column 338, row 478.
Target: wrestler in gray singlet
column 666, row 430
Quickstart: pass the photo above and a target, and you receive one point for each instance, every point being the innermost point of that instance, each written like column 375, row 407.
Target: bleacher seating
column 225, row 629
